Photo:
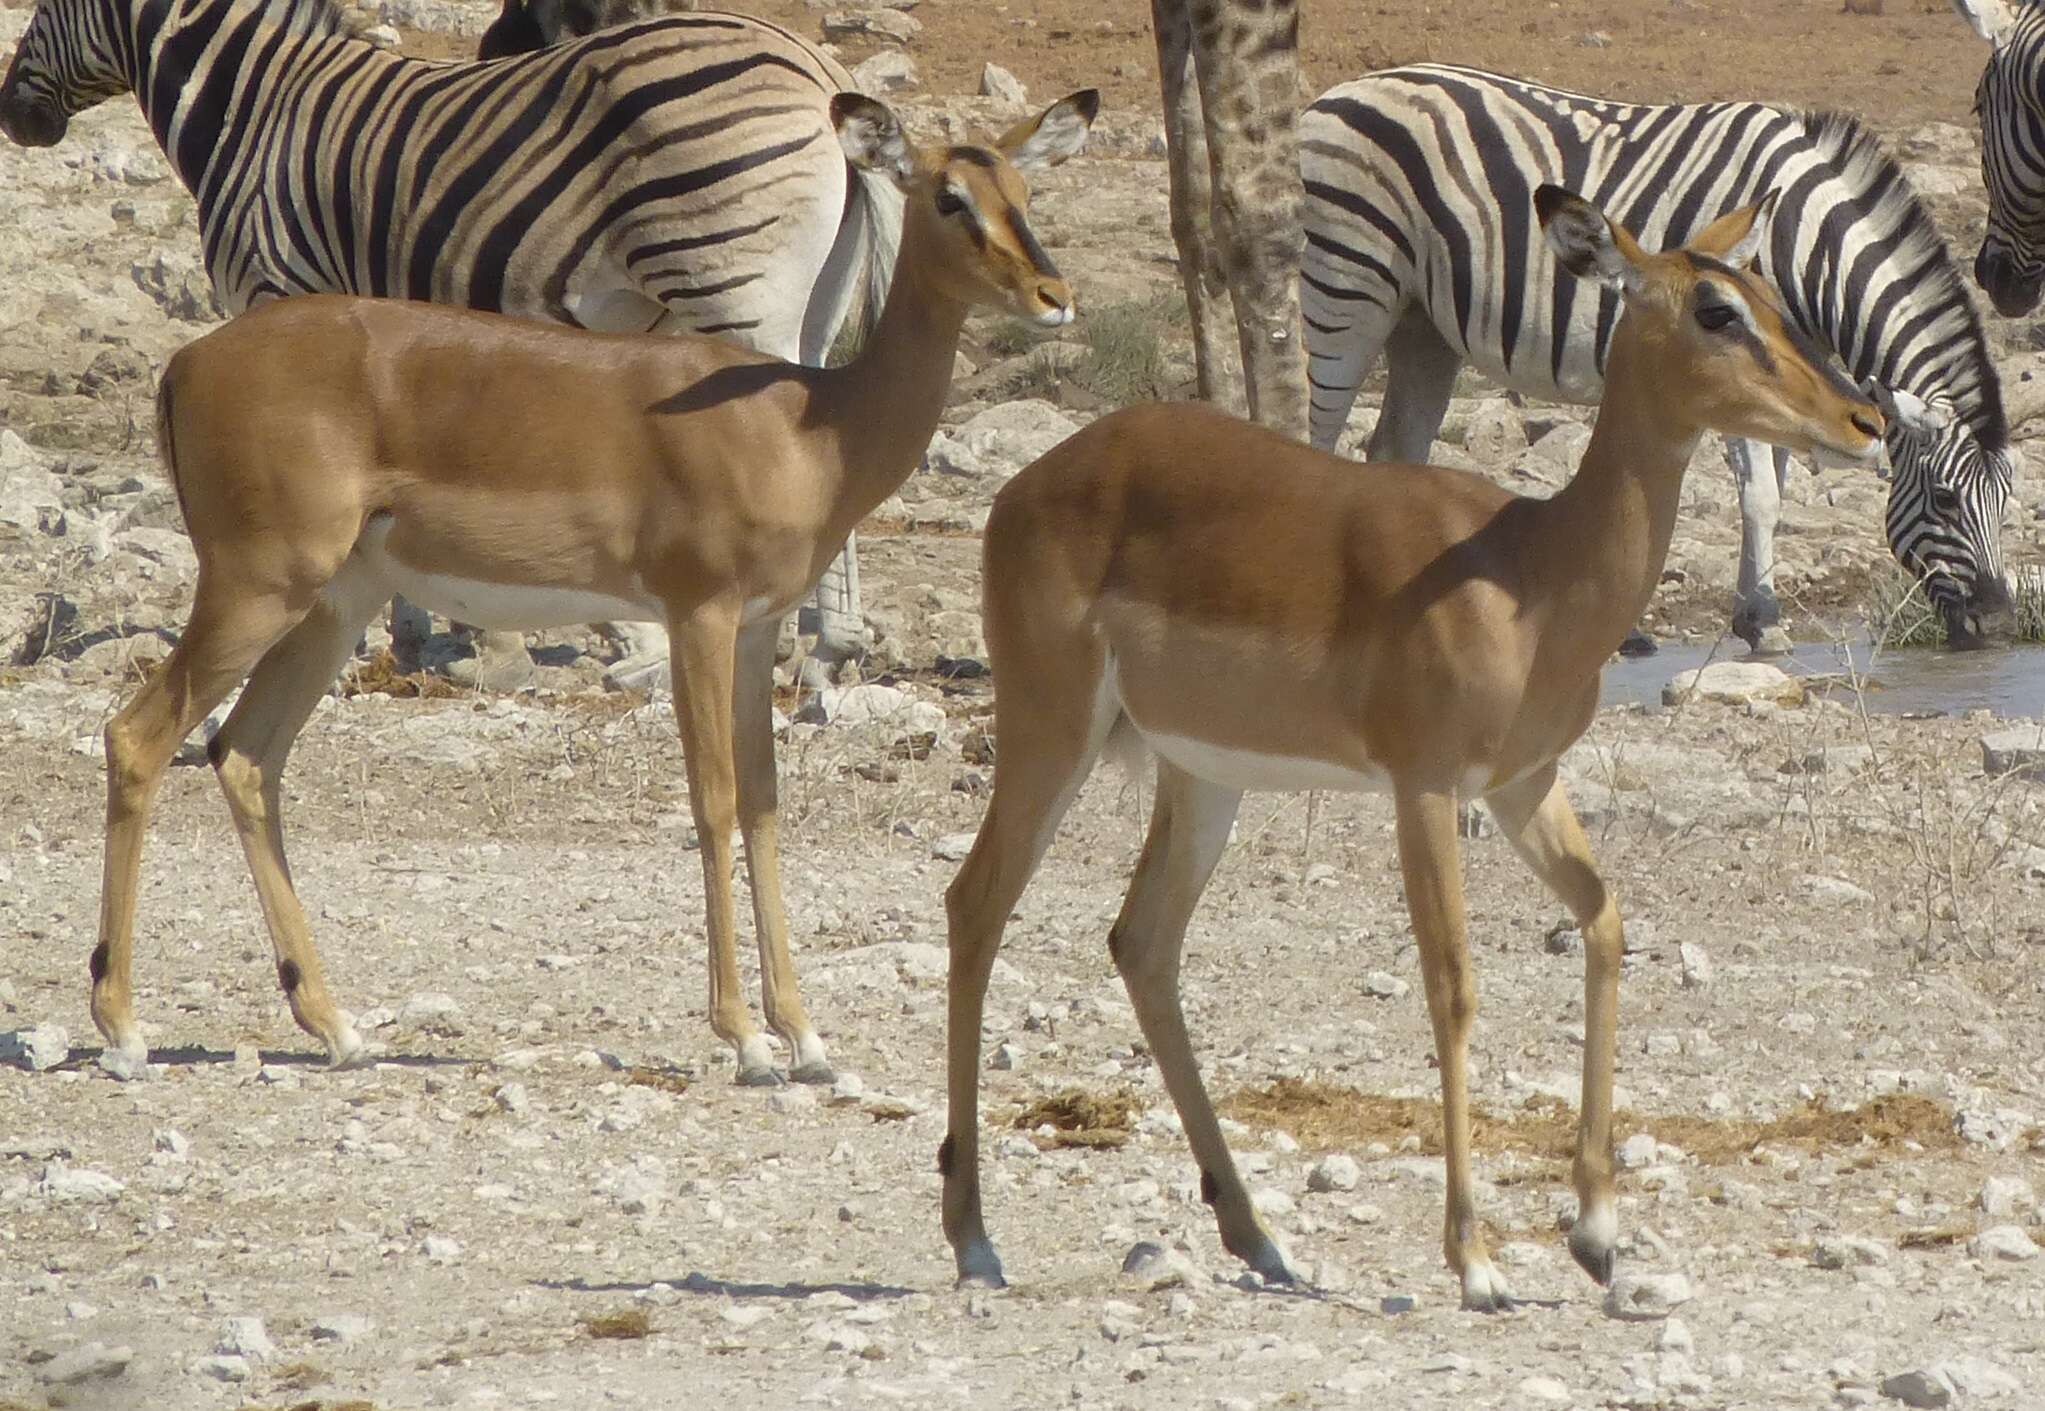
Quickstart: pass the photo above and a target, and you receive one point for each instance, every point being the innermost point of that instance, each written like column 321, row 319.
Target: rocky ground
column 548, row 1193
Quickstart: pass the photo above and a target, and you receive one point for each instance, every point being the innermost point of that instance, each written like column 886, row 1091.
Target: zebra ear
column 1585, row 240
column 1736, row 236
column 872, row 137
column 1908, row 410
column 1991, row 19
column 1054, row 134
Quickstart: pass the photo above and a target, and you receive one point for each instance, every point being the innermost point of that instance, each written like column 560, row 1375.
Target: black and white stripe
column 2010, row 103
column 681, row 170
column 1422, row 242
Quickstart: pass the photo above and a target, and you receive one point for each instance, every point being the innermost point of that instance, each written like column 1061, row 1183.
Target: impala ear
column 872, row 137
column 1584, row 238
column 1991, row 19
column 1054, row 134
column 1735, row 237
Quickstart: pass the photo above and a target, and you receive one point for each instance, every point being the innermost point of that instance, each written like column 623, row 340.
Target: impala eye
column 949, row 202
column 1713, row 317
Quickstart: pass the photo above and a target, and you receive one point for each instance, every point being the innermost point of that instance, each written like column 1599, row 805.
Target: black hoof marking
column 1209, row 1191
column 98, row 964
column 947, row 1155
column 288, row 976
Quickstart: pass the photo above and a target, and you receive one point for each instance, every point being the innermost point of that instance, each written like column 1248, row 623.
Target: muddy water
column 2007, row 680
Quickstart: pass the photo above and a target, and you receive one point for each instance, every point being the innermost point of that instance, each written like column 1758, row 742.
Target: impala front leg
column 753, row 730
column 1544, row 830
column 703, row 647
column 1434, row 894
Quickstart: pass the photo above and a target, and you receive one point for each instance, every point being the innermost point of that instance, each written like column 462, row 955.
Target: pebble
column 1154, row 1264
column 1338, row 1172
column 1395, row 1303
column 41, row 1048
column 431, row 1011
column 341, row 1327
column 1543, row 1389
column 1384, row 985
column 440, row 1249
column 91, row 1362
column 1643, row 1297
column 2006, row 1197
column 1848, row 1252
column 795, row 1098
column 170, row 1141
column 1696, row 965
column 1004, row 1058
column 2004, row 1242
column 246, row 1337
column 62, row 1183
column 1636, row 1151
column 1675, row 1337
column 998, row 83
column 513, row 1098
column 952, row 847
column 849, row 1088
column 1921, row 1388
column 223, row 1367
column 1977, row 1377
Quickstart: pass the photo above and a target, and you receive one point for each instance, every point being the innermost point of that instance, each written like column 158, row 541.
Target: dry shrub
column 1327, row 1115
column 297, row 1376
column 1079, row 1118
column 379, row 676
column 627, row 1323
column 665, row 1080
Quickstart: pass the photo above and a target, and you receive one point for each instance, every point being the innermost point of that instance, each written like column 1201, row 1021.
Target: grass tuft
column 625, row 1324
column 1124, row 358
column 1079, row 1118
column 1899, row 615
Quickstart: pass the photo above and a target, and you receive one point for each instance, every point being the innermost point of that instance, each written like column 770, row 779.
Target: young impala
column 1259, row 616
column 330, row 451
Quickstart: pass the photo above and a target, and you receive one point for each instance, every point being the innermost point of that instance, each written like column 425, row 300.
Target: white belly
column 516, row 606
column 1256, row 770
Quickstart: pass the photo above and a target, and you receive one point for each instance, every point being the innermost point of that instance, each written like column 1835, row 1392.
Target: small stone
column 2019, row 750
column 2006, row 1197
column 1836, row 891
column 341, row 1327
column 1734, row 683
column 1977, row 1377
column 440, row 1249
column 170, row 1141
column 1004, row 1058
column 952, row 847
column 2003, row 1242
column 246, row 1337
column 278, row 1076
column 1636, row 1151
column 1696, row 965
column 223, row 1367
column 1921, row 1388
column 849, row 1088
column 1394, row 1303
column 434, row 1013
column 1384, row 985
column 1848, row 1252
column 93, row 1362
column 797, row 1098
column 63, row 1184
column 512, row 1097
column 1644, row 1297
column 1338, row 1172
column 1154, row 1264
column 871, row 27
column 1543, row 1389
column 888, row 71
column 998, row 83
column 1675, row 1337
column 40, row 1049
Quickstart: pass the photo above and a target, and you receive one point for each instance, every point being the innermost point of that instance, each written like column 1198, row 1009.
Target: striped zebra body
column 1422, row 244
column 2010, row 103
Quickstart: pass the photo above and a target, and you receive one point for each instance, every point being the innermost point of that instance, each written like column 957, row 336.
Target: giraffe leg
column 1421, row 373
column 1248, row 67
column 1188, row 829
column 249, row 755
column 1757, row 616
column 1536, row 815
column 1192, row 191
column 1429, row 859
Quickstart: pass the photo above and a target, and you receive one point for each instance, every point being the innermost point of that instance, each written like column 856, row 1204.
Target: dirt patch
column 1078, row 1118
column 620, row 1326
column 1327, row 1115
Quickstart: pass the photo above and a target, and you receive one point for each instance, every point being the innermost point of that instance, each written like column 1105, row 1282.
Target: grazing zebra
column 2010, row 101
column 681, row 173
column 1422, row 243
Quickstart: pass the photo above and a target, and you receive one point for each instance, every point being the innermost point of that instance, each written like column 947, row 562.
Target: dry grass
column 1328, row 1116
column 623, row 1325
column 379, row 676
column 1079, row 1118
column 666, row 1081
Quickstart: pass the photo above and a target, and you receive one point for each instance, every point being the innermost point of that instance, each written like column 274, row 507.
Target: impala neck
column 885, row 403
column 1600, row 543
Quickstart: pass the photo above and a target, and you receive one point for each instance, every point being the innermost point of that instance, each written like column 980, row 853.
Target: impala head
column 2010, row 103
column 68, row 60
column 1724, row 356
column 970, row 203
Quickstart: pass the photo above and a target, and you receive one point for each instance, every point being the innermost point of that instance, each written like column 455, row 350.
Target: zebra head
column 69, row 60
column 2010, row 103
column 1946, row 499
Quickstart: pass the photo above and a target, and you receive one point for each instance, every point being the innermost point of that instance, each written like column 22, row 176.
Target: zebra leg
column 1248, row 65
column 1192, row 200
column 501, row 663
column 1346, row 333
column 1757, row 616
column 1421, row 372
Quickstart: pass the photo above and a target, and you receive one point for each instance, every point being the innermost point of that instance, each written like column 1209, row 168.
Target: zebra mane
column 1882, row 192
column 317, row 17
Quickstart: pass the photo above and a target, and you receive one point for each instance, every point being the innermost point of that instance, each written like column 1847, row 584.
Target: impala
column 1259, row 616
column 328, row 451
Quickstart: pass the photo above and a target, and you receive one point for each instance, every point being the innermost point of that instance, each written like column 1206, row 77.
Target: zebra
column 1422, row 243
column 681, row 173
column 525, row 25
column 2010, row 102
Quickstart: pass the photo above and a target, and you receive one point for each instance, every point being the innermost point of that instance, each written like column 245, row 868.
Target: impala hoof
column 128, row 1062
column 821, row 1074
column 760, row 1078
column 1485, row 1290
column 1594, row 1243
column 1598, row 1262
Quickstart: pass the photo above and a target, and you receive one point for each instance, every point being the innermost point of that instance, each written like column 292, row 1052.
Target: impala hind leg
column 1189, row 827
column 1434, row 894
column 1046, row 750
column 1420, row 375
column 249, row 754
column 1535, row 814
column 227, row 634
column 758, row 821
column 705, row 645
